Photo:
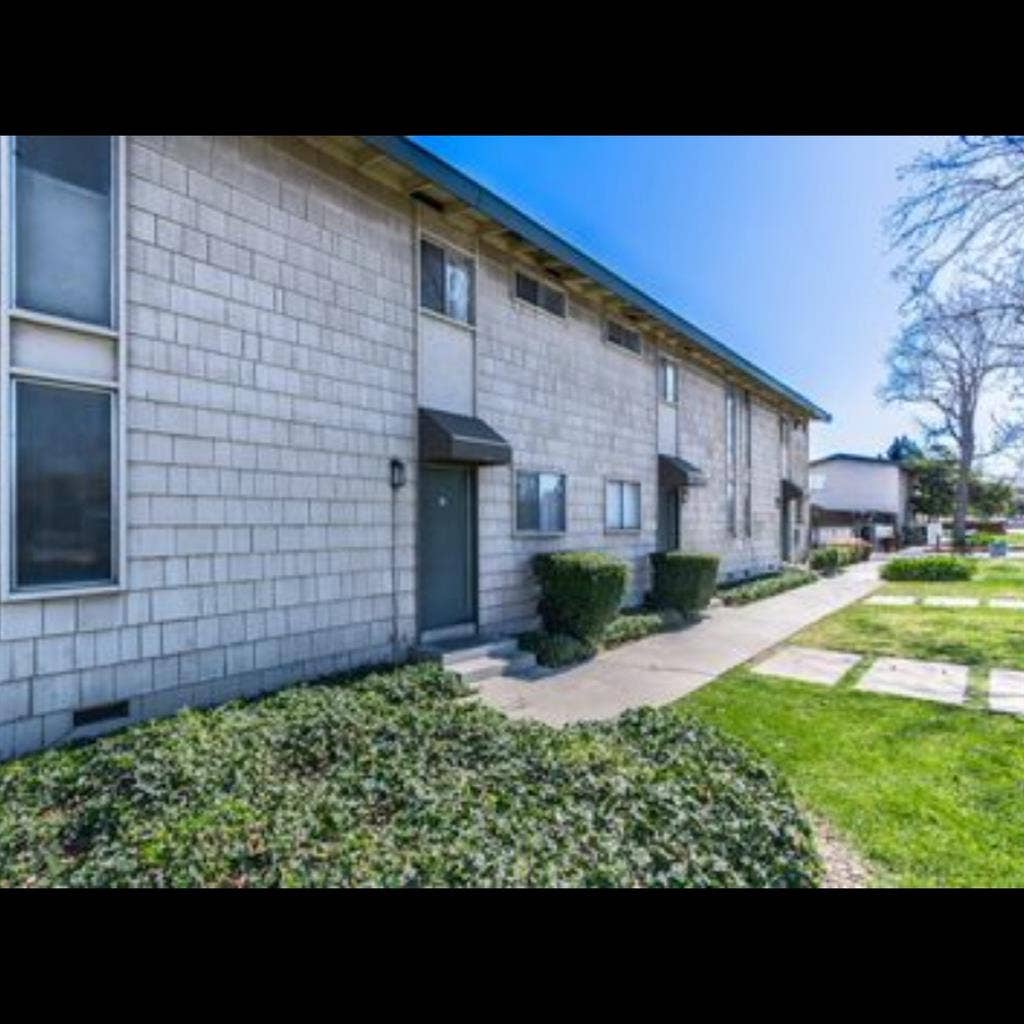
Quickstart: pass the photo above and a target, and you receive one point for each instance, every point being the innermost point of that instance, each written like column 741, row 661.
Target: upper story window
column 446, row 281
column 537, row 293
column 668, row 381
column 622, row 505
column 784, row 444
column 748, row 459
column 624, row 337
column 62, row 387
column 731, row 457
column 64, row 226
column 540, row 502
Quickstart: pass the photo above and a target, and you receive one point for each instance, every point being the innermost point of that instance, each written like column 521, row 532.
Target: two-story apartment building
column 276, row 407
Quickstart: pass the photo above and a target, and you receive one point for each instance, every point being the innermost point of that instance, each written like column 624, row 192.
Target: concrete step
column 450, row 654
column 474, row 670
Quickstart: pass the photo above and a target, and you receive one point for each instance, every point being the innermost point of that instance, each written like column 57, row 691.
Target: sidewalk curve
column 664, row 667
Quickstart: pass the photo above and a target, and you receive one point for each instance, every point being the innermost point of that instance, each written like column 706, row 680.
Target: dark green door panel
column 447, row 557
column 668, row 519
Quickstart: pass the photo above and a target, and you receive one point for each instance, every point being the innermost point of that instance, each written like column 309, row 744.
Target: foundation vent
column 100, row 713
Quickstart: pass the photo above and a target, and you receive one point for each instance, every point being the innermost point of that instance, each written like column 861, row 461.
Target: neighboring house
column 858, row 496
column 278, row 407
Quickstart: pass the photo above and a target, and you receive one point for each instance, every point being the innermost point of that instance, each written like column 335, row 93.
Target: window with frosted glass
column 446, row 282
column 731, row 430
column 748, row 443
column 540, row 502
column 64, row 226
column 63, row 485
column 669, row 381
column 622, row 505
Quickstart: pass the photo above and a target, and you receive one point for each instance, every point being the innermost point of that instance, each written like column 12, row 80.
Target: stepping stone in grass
column 1005, row 602
column 1006, row 691
column 951, row 602
column 893, row 599
column 808, row 664
column 925, row 680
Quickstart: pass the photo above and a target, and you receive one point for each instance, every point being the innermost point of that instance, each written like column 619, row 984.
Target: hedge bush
column 825, row 560
column 683, row 582
column 553, row 650
column 580, row 592
column 389, row 781
column 840, row 554
column 984, row 540
column 854, row 550
column 929, row 568
column 624, row 628
column 766, row 587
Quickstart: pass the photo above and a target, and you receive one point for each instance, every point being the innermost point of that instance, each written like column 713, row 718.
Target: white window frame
column 622, row 484
column 748, row 458
column 534, row 275
column 785, row 442
column 664, row 362
column 440, row 242
column 732, row 427
column 117, row 387
column 531, row 471
column 606, row 336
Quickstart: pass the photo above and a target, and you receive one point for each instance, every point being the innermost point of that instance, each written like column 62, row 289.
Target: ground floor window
column 622, row 505
column 540, row 502
column 63, row 484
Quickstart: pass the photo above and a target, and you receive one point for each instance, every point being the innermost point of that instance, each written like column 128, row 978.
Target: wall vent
column 100, row 713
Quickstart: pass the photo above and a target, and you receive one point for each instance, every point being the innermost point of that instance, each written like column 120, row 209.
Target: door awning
column 790, row 491
column 449, row 437
column 675, row 472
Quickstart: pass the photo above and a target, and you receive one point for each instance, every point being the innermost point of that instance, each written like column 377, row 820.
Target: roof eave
column 414, row 156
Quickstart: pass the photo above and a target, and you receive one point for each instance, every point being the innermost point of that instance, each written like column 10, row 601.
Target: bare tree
column 948, row 354
column 964, row 215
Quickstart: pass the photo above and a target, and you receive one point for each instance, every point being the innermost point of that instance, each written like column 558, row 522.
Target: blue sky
column 773, row 245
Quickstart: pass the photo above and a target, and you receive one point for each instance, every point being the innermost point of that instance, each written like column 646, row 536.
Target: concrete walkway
column 667, row 666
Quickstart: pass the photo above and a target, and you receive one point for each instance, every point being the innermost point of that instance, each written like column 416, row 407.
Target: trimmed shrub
column 939, row 568
column 625, row 628
column 683, row 582
column 553, row 650
column 767, row 587
column 825, row 560
column 843, row 553
column 580, row 592
column 390, row 782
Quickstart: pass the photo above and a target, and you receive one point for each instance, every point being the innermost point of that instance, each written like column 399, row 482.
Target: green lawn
column 931, row 795
column 980, row 637
column 996, row 577
column 967, row 636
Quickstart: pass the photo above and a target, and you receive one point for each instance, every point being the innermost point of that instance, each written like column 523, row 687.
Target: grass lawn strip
column 929, row 795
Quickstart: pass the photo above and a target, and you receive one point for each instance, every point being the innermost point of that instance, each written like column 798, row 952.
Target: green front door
column 668, row 519
column 447, row 557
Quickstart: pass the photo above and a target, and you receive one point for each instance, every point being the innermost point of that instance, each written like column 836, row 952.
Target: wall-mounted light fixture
column 397, row 474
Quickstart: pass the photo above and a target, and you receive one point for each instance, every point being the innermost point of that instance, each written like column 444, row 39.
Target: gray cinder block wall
column 272, row 376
